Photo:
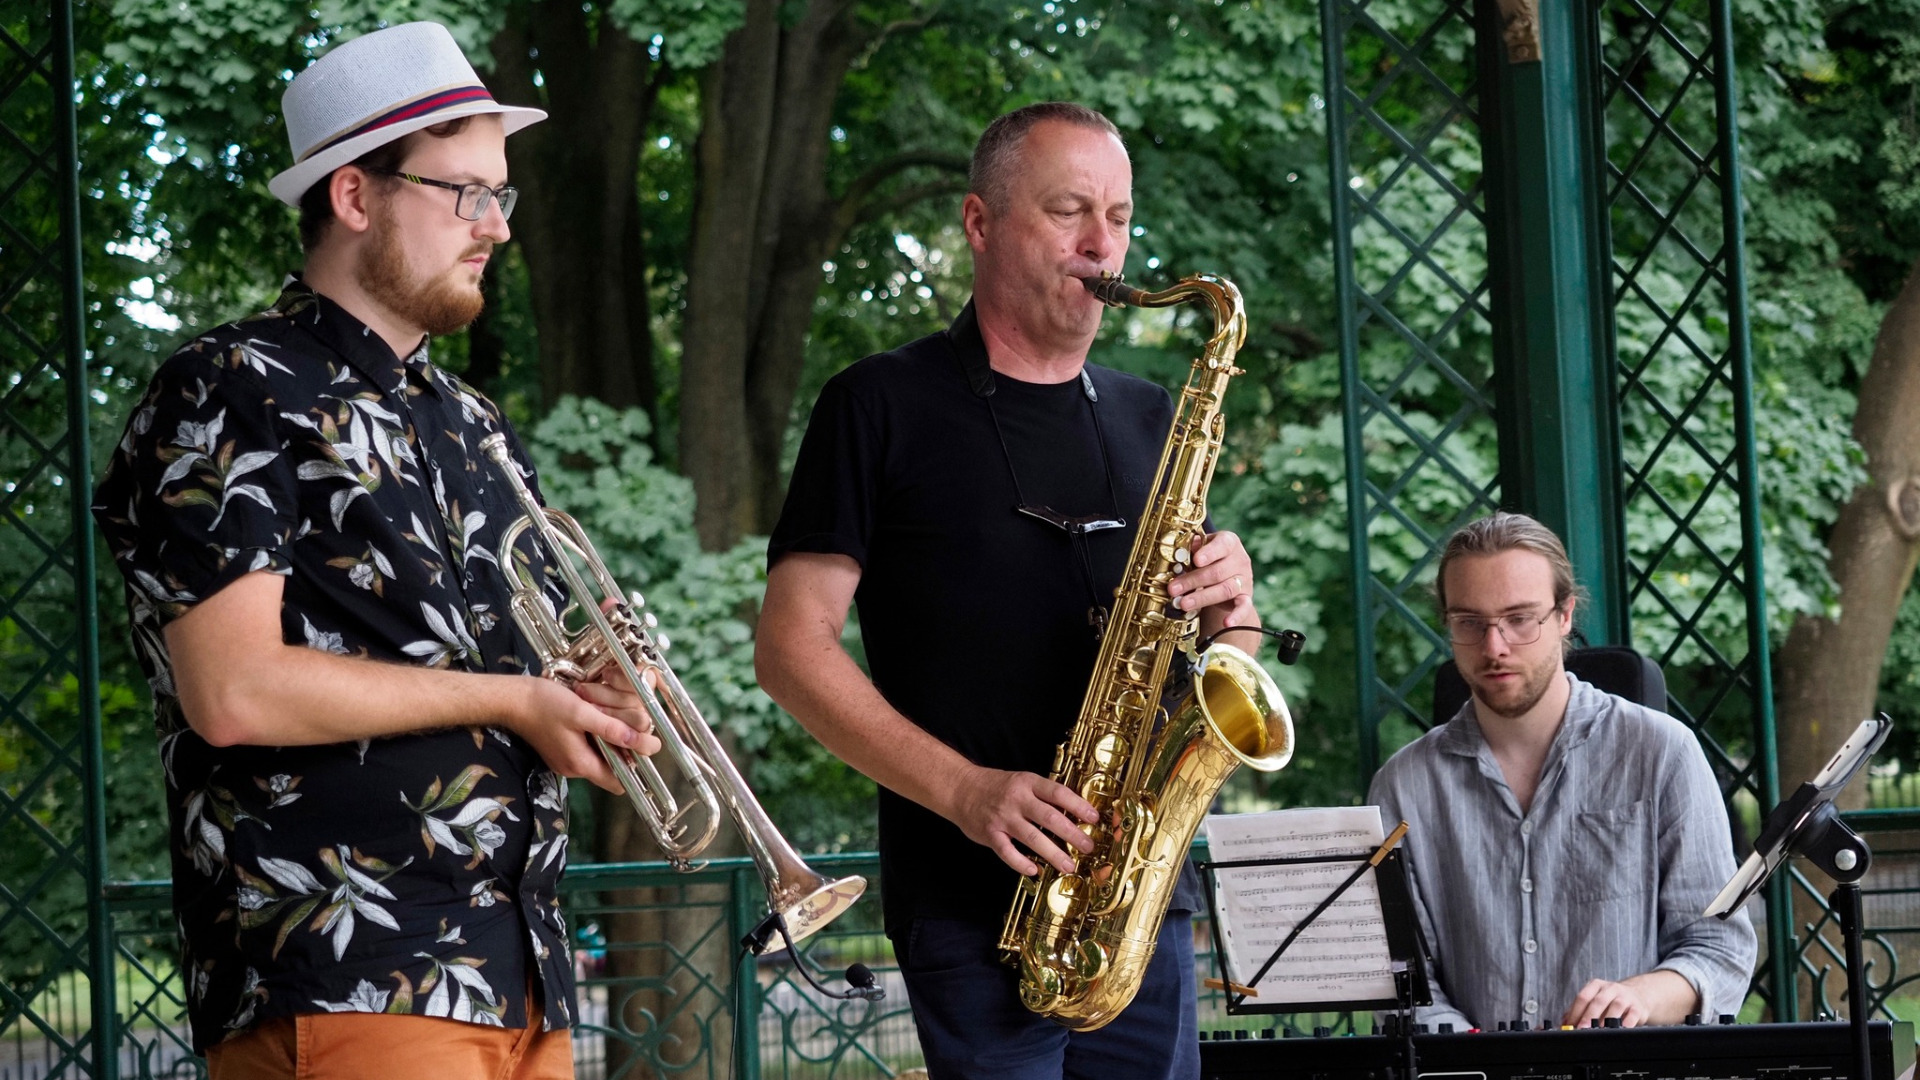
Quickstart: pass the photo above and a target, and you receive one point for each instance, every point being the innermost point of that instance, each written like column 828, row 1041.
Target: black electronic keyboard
column 1820, row 1051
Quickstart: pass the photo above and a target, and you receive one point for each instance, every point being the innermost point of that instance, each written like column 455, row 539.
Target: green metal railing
column 1890, row 918
column 675, row 1012
column 679, row 1018
column 53, row 925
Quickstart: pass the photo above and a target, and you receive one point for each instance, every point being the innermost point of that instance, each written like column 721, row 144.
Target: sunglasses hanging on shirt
column 1078, row 527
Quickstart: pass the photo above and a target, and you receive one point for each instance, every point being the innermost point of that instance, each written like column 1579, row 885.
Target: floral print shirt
column 414, row 874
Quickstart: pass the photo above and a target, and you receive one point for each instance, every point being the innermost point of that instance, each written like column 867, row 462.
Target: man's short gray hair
column 997, row 155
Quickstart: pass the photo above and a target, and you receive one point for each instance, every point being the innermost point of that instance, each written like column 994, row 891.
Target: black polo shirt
column 414, row 874
column 974, row 617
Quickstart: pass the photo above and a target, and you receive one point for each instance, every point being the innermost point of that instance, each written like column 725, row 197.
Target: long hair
column 1502, row 531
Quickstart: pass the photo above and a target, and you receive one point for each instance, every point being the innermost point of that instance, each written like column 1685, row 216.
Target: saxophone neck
column 1219, row 296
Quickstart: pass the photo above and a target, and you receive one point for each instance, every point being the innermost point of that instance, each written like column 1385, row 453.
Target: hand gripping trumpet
column 1082, row 940
column 621, row 636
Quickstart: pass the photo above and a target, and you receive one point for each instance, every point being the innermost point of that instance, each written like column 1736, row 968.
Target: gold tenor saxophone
column 620, row 636
column 1082, row 940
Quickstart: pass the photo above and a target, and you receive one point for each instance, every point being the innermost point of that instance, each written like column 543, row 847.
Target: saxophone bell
column 614, row 631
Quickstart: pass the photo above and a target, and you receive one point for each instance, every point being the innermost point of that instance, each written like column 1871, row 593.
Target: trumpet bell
column 808, row 905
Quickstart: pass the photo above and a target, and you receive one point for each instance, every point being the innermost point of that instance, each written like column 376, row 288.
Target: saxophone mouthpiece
column 1110, row 290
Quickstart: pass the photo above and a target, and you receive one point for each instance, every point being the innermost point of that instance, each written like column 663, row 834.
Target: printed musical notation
column 1343, row 955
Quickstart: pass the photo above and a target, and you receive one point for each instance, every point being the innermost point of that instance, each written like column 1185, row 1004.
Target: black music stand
column 1406, row 945
column 1806, row 824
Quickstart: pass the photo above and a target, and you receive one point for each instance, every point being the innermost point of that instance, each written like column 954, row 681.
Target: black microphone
column 1291, row 642
column 860, row 977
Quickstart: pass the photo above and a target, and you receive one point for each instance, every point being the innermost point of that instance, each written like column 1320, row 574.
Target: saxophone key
column 1066, row 896
column 1090, row 960
column 1140, row 663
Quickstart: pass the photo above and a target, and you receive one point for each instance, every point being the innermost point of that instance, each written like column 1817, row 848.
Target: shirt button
column 1532, row 1006
column 1532, row 945
column 1526, row 828
column 1526, row 884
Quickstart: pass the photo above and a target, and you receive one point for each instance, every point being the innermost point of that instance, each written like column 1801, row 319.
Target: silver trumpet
column 621, row 635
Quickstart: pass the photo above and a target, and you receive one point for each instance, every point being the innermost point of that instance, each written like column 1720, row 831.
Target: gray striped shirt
column 1605, row 877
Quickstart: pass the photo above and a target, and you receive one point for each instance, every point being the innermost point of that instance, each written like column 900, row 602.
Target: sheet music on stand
column 1270, row 872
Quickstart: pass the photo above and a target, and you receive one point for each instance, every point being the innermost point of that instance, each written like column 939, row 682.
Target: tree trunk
column 485, row 350
column 1830, row 669
column 579, row 227
column 580, row 231
column 737, row 119
column 764, row 223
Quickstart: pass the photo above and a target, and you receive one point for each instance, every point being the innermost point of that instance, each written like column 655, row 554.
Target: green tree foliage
column 1222, row 107
column 596, row 464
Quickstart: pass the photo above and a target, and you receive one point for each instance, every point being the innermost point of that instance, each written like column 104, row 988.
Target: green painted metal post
column 744, row 892
column 100, row 947
column 1548, row 259
column 1333, row 34
column 1786, row 1002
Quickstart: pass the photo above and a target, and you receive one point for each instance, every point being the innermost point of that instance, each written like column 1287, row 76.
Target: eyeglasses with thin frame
column 1517, row 629
column 474, row 198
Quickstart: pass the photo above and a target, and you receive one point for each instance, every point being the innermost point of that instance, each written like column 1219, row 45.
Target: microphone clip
column 860, row 979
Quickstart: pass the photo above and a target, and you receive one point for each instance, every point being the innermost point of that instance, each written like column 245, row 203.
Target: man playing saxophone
column 367, row 825
column 975, row 492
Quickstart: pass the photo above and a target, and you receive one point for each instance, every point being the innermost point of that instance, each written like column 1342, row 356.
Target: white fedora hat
column 374, row 89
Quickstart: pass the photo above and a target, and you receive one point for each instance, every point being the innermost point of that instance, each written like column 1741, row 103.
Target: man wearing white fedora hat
column 367, row 814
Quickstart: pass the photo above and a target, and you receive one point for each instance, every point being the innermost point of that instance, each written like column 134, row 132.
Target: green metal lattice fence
column 52, row 914
column 1696, row 586
column 1416, row 322
column 1413, row 90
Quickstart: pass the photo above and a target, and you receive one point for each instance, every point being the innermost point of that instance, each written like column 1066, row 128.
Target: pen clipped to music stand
column 1405, row 946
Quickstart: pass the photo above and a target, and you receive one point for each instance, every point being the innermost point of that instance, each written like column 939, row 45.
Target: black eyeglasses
column 1516, row 629
column 474, row 198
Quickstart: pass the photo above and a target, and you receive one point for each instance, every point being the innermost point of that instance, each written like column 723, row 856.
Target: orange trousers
column 372, row 1046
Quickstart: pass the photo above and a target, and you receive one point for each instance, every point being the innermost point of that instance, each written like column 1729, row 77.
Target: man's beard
column 1534, row 685
column 438, row 305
